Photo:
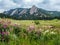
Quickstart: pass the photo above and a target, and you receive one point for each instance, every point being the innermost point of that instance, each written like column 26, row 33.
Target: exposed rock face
column 14, row 12
column 23, row 11
column 33, row 10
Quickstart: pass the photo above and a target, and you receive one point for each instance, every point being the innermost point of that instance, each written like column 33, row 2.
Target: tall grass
column 14, row 34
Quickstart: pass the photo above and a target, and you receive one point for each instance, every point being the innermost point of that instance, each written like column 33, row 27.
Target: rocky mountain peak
column 33, row 9
column 34, row 6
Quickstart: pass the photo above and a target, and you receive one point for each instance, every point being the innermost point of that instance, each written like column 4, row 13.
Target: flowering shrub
column 31, row 28
column 6, row 28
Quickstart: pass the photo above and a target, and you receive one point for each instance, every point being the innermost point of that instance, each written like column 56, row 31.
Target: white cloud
column 8, row 4
column 34, row 1
column 55, row 4
column 1, row 10
column 29, row 3
column 45, row 4
column 0, row 0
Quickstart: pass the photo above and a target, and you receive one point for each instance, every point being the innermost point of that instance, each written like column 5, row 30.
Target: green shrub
column 36, row 22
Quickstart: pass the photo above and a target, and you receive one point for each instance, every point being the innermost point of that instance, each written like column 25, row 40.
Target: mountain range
column 33, row 13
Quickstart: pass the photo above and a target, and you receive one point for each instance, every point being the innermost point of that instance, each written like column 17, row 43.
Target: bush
column 36, row 22
column 6, row 29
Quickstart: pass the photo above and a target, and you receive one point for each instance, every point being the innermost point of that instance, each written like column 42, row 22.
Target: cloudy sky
column 45, row 4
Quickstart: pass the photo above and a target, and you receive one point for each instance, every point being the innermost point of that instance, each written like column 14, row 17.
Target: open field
column 30, row 32
column 54, row 22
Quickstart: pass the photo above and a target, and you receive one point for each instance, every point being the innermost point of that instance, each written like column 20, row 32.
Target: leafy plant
column 36, row 22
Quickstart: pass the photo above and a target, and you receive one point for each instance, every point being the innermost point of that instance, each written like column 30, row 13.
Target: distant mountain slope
column 32, row 13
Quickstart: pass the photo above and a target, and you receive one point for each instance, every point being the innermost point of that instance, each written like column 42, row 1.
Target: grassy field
column 55, row 22
column 33, row 32
column 28, row 22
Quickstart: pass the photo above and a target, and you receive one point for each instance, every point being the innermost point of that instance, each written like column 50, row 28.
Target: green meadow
column 29, row 32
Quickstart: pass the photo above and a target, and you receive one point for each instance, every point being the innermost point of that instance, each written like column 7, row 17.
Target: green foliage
column 19, row 35
column 36, row 22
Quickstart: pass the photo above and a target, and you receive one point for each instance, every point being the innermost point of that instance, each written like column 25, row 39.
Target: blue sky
column 45, row 4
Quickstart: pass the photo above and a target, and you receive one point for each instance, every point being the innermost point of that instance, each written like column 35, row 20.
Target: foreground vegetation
column 29, row 32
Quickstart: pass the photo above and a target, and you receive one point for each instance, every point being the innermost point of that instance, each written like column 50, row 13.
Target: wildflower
column 9, row 22
column 3, row 33
column 31, row 28
column 11, row 29
column 7, row 33
column 15, row 25
column 4, row 25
